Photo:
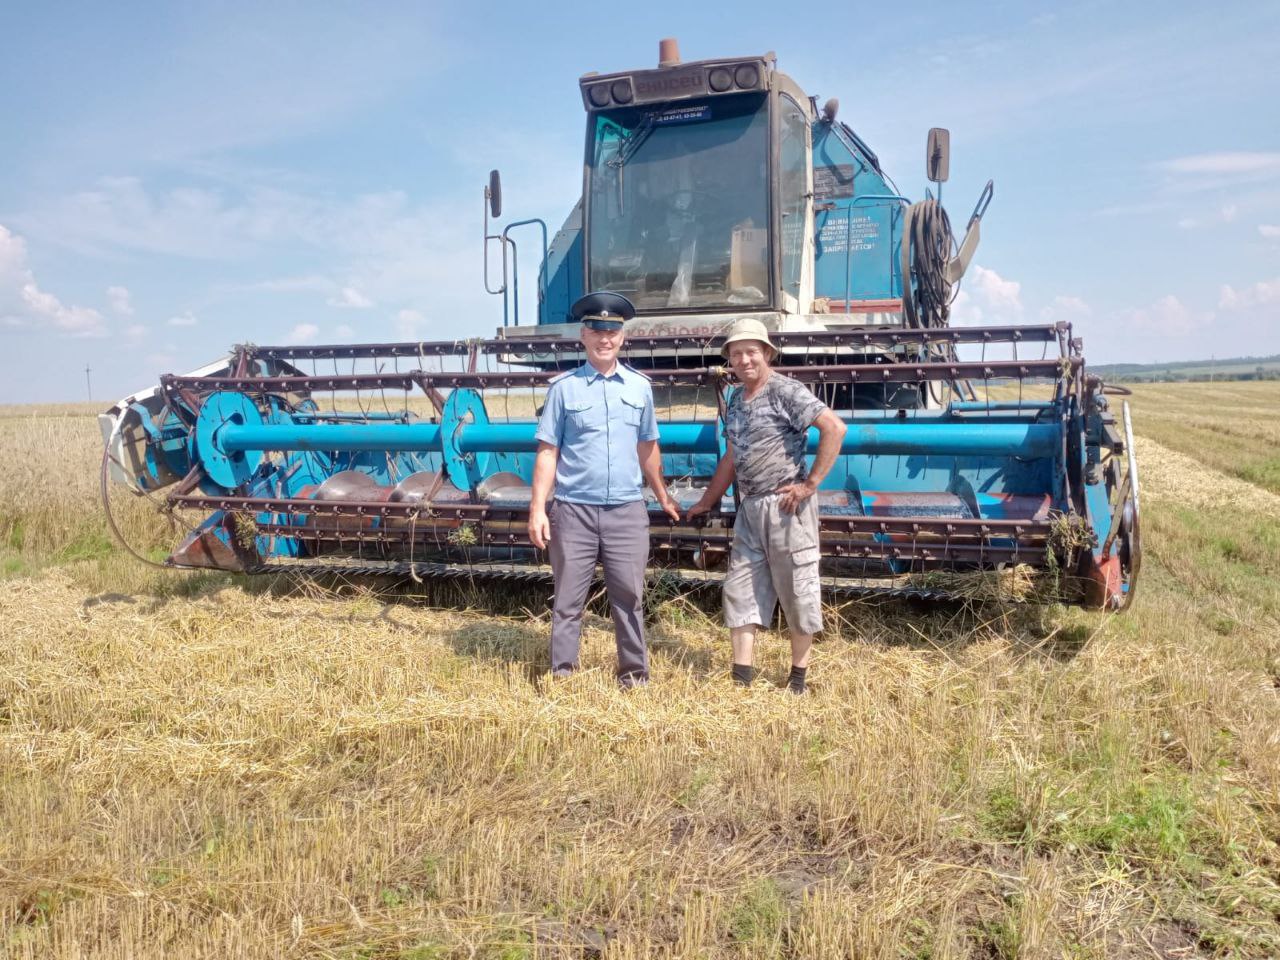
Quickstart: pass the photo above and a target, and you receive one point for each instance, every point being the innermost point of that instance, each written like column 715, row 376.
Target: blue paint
column 561, row 274
column 330, row 437
column 462, row 433
column 226, row 466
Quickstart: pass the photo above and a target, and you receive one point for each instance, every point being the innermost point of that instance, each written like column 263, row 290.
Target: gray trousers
column 618, row 537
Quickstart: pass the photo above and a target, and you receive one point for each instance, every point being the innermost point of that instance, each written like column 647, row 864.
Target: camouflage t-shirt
column 768, row 434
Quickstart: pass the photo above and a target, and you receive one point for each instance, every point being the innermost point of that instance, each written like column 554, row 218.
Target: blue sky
column 176, row 178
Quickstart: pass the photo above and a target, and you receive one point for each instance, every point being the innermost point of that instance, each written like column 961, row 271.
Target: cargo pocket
column 805, row 611
column 804, row 569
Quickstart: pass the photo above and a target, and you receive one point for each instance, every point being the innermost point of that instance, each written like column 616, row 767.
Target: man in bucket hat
column 597, row 436
column 774, row 557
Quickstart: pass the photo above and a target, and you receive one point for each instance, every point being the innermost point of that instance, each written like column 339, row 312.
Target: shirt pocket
column 632, row 409
column 584, row 416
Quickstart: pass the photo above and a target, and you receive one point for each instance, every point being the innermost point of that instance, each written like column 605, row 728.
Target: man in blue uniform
column 596, row 438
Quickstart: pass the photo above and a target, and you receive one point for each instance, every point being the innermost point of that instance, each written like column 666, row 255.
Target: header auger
column 713, row 190
column 289, row 463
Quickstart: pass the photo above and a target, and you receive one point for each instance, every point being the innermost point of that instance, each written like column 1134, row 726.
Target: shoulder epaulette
column 560, row 376
column 638, row 373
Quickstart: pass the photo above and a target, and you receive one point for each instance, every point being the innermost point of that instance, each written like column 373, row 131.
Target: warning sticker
column 833, row 182
column 854, row 232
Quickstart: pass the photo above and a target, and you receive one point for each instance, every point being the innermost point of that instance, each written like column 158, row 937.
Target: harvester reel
column 922, row 502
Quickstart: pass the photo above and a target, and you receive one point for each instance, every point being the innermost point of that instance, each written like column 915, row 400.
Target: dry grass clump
column 1173, row 477
column 1011, row 583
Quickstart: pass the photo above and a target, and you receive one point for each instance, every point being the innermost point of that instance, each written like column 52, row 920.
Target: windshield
column 679, row 204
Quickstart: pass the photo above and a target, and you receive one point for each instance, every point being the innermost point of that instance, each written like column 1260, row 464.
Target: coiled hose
column 928, row 245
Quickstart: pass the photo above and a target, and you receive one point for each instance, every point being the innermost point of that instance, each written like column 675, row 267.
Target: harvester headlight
column 747, row 76
column 598, row 95
column 621, row 91
column 719, row 79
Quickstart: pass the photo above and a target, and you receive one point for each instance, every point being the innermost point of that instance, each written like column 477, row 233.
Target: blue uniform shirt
column 596, row 422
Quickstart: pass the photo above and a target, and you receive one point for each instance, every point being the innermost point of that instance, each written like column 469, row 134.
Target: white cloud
column 1237, row 163
column 121, row 303
column 1269, row 230
column 344, row 330
column 996, row 291
column 1167, row 316
column 964, row 311
column 303, row 333
column 350, row 297
column 186, row 319
column 122, row 214
column 408, row 324
column 388, row 249
column 1227, row 214
column 1070, row 309
column 24, row 304
column 1262, row 292
column 135, row 331
column 310, row 282
column 986, row 297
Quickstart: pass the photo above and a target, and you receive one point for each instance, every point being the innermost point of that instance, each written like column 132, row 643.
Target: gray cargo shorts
column 774, row 559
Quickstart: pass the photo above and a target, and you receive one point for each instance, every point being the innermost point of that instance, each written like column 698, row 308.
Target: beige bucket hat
column 747, row 328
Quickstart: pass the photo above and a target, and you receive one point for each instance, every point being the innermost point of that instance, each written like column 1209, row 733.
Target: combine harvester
column 712, row 190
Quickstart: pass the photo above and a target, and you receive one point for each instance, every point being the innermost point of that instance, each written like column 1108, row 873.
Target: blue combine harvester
column 712, row 190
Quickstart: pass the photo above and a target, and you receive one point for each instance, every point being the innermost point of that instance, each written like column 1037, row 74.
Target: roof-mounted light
column 598, row 95
column 620, row 90
column 747, row 76
column 681, row 81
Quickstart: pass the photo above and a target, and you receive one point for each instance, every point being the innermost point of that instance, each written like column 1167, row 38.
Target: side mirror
column 938, row 155
column 493, row 193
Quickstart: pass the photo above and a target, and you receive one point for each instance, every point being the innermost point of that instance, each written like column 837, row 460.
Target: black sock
column 795, row 682
column 743, row 674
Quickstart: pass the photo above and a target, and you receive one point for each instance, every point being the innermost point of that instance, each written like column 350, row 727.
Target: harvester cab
column 978, row 460
column 718, row 189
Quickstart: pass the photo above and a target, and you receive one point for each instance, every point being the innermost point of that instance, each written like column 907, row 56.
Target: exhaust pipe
column 669, row 52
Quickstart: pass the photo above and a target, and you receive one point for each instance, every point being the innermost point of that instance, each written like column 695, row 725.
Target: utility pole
column 87, row 384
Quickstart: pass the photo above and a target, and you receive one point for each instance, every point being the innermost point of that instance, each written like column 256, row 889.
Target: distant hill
column 1235, row 368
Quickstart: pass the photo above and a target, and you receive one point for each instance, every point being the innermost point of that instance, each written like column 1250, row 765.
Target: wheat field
column 204, row 766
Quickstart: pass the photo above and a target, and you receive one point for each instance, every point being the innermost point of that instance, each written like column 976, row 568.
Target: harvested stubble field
column 203, row 766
